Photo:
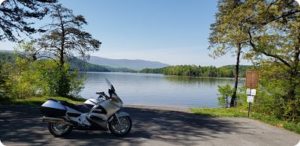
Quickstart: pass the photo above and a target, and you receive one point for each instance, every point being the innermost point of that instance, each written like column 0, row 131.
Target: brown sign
column 251, row 79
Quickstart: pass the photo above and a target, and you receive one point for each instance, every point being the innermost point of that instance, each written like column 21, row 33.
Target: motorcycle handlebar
column 102, row 94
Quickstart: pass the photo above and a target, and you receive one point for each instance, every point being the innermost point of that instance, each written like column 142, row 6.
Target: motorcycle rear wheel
column 120, row 129
column 59, row 129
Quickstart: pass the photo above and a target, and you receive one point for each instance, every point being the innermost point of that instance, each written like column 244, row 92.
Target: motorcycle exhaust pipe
column 54, row 120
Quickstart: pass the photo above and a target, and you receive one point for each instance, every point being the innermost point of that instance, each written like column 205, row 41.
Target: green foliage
column 78, row 64
column 20, row 81
column 272, row 93
column 75, row 83
column 64, row 38
column 17, row 17
column 273, row 35
column 220, row 112
column 6, row 56
column 65, row 35
column 37, row 101
column 227, row 90
column 242, row 97
column 227, row 33
column 64, row 82
column 198, row 71
column 26, row 78
column 225, row 93
column 3, row 86
column 82, row 65
column 269, row 33
column 242, row 112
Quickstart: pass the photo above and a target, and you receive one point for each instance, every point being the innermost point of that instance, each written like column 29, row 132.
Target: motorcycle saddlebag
column 53, row 108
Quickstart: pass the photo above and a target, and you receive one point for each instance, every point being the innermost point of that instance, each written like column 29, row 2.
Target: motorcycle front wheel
column 121, row 127
column 59, row 129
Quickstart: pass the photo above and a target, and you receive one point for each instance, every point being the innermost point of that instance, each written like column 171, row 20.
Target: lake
column 156, row 89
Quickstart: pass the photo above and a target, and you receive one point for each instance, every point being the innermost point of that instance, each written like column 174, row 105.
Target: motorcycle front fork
column 117, row 119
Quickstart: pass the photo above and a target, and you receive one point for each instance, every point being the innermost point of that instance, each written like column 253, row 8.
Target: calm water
column 157, row 90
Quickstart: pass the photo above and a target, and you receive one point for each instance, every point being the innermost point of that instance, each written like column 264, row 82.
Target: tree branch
column 264, row 52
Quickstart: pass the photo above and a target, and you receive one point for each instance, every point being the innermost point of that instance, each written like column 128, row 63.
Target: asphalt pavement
column 152, row 126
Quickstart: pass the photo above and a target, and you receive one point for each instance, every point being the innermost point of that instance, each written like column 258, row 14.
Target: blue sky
column 170, row 31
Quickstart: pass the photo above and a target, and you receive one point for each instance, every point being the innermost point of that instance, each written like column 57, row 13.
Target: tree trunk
column 291, row 98
column 62, row 45
column 61, row 58
column 236, row 76
column 63, row 82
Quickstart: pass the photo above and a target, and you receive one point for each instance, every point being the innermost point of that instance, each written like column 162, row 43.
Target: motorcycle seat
column 84, row 108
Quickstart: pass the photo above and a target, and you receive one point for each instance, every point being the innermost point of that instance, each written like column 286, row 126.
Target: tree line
column 74, row 62
column 198, row 71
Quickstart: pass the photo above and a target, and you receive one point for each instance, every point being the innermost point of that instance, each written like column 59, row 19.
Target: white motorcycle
column 102, row 113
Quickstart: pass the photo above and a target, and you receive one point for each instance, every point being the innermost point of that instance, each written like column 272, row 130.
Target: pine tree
column 64, row 38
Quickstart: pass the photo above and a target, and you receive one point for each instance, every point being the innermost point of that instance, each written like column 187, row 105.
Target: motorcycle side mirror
column 110, row 92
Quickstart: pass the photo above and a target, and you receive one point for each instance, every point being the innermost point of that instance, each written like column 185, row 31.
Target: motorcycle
column 102, row 113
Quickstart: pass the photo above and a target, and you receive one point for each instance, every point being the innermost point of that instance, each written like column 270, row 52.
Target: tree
column 16, row 17
column 274, row 36
column 2, row 81
column 28, row 50
column 65, row 38
column 229, row 35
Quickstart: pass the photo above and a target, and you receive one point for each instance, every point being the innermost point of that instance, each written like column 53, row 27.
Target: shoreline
column 159, row 74
column 139, row 106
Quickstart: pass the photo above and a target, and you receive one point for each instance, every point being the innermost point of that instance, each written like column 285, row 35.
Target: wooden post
column 249, row 109
column 251, row 83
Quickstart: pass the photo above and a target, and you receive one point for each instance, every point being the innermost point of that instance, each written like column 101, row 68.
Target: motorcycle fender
column 119, row 114
column 122, row 114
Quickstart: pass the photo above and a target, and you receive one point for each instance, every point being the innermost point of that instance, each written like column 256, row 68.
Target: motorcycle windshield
column 110, row 86
column 112, row 92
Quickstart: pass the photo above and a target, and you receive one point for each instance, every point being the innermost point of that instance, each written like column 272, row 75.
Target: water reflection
column 194, row 80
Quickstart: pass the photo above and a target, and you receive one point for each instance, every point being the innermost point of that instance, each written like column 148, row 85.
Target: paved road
column 21, row 125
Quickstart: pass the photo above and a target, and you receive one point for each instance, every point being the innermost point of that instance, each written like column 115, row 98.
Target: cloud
column 1, row 1
column 298, row 1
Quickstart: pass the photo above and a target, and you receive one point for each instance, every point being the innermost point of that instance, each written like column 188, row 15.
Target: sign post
column 251, row 85
column 250, row 98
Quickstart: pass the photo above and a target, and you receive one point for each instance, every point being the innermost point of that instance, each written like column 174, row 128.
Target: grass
column 39, row 100
column 242, row 112
column 220, row 112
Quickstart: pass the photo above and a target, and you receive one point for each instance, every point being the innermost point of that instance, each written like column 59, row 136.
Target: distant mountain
column 126, row 63
column 75, row 63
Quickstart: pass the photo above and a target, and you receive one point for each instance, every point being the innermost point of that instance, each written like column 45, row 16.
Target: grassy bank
column 39, row 100
column 241, row 112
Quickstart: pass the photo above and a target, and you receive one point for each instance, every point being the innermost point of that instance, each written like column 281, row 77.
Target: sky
column 170, row 31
